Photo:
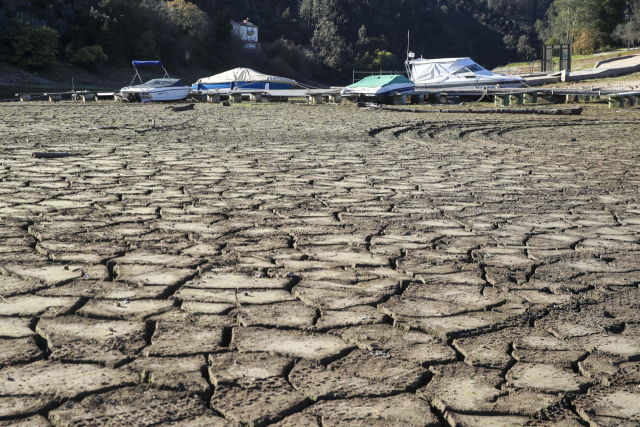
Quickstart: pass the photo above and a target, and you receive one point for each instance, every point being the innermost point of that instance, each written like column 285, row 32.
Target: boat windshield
column 164, row 82
column 473, row 68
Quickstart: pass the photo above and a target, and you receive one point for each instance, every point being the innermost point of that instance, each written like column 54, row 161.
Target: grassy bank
column 578, row 62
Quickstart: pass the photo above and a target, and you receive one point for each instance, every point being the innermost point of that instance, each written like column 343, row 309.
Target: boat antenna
column 410, row 56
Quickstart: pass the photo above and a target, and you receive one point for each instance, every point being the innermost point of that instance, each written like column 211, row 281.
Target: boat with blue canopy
column 243, row 79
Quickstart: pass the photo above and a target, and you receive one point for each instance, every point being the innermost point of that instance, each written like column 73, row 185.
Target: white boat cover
column 424, row 71
column 244, row 75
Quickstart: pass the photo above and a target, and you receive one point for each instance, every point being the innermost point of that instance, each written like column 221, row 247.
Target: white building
column 247, row 32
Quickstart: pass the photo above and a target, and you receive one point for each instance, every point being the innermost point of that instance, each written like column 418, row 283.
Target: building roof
column 244, row 23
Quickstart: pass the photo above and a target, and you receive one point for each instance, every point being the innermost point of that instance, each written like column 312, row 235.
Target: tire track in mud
column 505, row 136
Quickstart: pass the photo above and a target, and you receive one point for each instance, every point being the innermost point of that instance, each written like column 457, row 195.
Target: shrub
column 190, row 18
column 35, row 47
column 553, row 40
column 379, row 60
column 588, row 41
column 88, row 55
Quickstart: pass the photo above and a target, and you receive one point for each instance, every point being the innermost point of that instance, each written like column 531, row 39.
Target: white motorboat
column 378, row 86
column 162, row 89
column 456, row 73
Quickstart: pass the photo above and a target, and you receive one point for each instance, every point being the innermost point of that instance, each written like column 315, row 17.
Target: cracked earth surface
column 318, row 266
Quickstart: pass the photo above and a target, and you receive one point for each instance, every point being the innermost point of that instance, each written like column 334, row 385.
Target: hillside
column 318, row 41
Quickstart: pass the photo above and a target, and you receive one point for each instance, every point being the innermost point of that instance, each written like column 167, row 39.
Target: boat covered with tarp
column 243, row 78
column 159, row 89
column 456, row 73
column 384, row 85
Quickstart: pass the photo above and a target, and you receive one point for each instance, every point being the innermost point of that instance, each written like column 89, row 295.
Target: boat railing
column 532, row 67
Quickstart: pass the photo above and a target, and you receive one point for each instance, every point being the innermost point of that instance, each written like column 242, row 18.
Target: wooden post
column 25, row 98
column 55, row 98
column 572, row 98
column 556, row 99
column 501, row 100
column 516, row 99
column 434, row 98
column 213, row 98
column 315, row 99
column 255, row 97
column 417, row 99
column 531, row 97
column 236, row 97
column 335, row 98
column 616, row 101
column 399, row 99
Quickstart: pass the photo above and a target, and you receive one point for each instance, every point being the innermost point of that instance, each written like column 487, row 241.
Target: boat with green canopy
column 380, row 86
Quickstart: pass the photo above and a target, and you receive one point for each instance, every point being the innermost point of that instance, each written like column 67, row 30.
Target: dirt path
column 318, row 266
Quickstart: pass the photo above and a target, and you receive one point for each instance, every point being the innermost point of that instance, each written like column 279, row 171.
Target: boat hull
column 378, row 91
column 156, row 94
column 504, row 84
column 242, row 85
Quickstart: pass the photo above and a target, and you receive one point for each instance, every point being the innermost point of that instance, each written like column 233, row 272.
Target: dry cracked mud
column 318, row 266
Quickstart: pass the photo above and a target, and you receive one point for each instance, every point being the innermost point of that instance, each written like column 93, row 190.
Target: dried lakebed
column 318, row 266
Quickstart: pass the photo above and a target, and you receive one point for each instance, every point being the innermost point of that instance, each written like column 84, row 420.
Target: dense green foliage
column 34, row 47
column 87, row 55
column 322, row 39
column 588, row 24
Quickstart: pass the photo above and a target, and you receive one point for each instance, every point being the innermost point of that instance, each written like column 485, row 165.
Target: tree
column 35, row 47
column 223, row 26
column 610, row 14
column 189, row 18
column 145, row 46
column 586, row 23
column 330, row 45
column 588, row 40
column 566, row 18
column 509, row 41
column 629, row 31
column 88, row 55
column 307, row 11
column 362, row 36
column 525, row 50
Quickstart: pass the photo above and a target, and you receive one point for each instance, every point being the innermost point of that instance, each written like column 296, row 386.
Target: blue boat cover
column 147, row 63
